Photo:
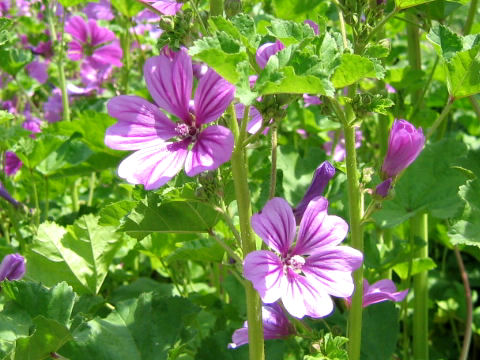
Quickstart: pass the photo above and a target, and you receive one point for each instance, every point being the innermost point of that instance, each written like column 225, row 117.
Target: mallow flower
column 12, row 163
column 12, row 267
column 97, row 45
column 323, row 174
column 275, row 326
column 162, row 146
column 382, row 290
column 306, row 272
column 404, row 144
column 166, row 7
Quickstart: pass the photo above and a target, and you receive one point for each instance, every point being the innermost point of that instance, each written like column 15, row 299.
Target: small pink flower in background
column 323, row 174
column 340, row 152
column 38, row 70
column 275, row 326
column 53, row 107
column 404, row 145
column 306, row 274
column 383, row 290
column 95, row 44
column 266, row 50
column 43, row 48
column 311, row 100
column 12, row 267
column 99, row 10
column 390, row 89
column 12, row 163
column 302, row 132
column 166, row 7
column 32, row 124
column 163, row 147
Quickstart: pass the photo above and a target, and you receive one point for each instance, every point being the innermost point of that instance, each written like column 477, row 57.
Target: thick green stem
column 216, row 7
column 472, row 11
column 59, row 61
column 420, row 301
column 242, row 193
column 273, row 169
column 91, row 188
column 355, row 203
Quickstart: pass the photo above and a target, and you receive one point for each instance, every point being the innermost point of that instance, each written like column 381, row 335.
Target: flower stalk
column 242, row 194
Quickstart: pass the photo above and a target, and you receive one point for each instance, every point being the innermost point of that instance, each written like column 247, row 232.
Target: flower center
column 185, row 131
column 295, row 263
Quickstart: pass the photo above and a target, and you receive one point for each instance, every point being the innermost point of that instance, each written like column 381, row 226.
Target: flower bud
column 12, row 267
column 404, row 144
column 383, row 188
column 232, row 7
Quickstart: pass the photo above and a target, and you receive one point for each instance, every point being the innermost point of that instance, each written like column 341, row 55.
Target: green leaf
column 418, row 265
column 112, row 214
column 6, row 35
column 32, row 152
column 143, row 328
column 380, row 330
column 380, row 105
column 12, row 60
column 5, row 116
column 290, row 32
column 465, row 231
column 351, row 69
column 54, row 303
column 127, row 7
column 445, row 41
column 205, row 249
column 222, row 52
column 419, row 190
column 295, row 10
column 48, row 337
column 404, row 4
column 14, row 323
column 463, row 77
column 184, row 214
column 79, row 254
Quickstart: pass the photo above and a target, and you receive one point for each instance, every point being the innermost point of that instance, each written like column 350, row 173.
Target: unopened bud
column 12, row 267
column 232, row 7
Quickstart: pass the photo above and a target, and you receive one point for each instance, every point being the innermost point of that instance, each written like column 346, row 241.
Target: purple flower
column 4, row 194
column 12, row 163
column 303, row 275
column 162, row 146
column 310, row 100
column 44, row 48
column 320, row 180
column 166, row 7
column 267, row 50
column 404, row 144
column 275, row 326
column 390, row 89
column 99, row 10
column 313, row 25
column 32, row 124
column 96, row 44
column 340, row 152
column 12, row 267
column 382, row 290
column 383, row 188
column 53, row 107
column 38, row 70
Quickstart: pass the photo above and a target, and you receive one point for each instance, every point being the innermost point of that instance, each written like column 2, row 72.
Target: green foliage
column 295, row 10
column 127, row 7
column 403, row 4
column 12, row 60
column 79, row 254
column 352, row 68
column 461, row 56
column 68, row 3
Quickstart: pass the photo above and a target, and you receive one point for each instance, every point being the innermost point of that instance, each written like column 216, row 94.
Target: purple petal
column 170, row 83
column 214, row 146
column 255, row 124
column 75, row 50
column 98, row 34
column 212, row 97
column 323, row 174
column 265, row 51
column 382, row 290
column 140, row 124
column 99, row 11
column 265, row 270
column 12, row 163
column 331, row 269
column 275, row 225
column 38, row 70
column 12, row 267
column 311, row 100
column 318, row 229
column 239, row 337
column 108, row 54
column 313, row 25
column 383, row 188
column 4, row 194
column 302, row 298
column 166, row 7
column 77, row 27
column 154, row 166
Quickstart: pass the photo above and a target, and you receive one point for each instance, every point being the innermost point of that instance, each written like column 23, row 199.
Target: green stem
column 383, row 122
column 242, row 194
column 33, row 107
column 216, row 7
column 60, row 55
column 441, row 117
column 414, row 53
column 420, row 301
column 126, row 43
column 475, row 105
column 227, row 248
column 380, row 25
column 471, row 16
column 91, row 189
column 387, row 241
column 355, row 203
column 273, row 170
column 419, row 101
column 200, row 20
column 467, row 337
column 47, row 202
column 74, row 190
column 36, row 200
